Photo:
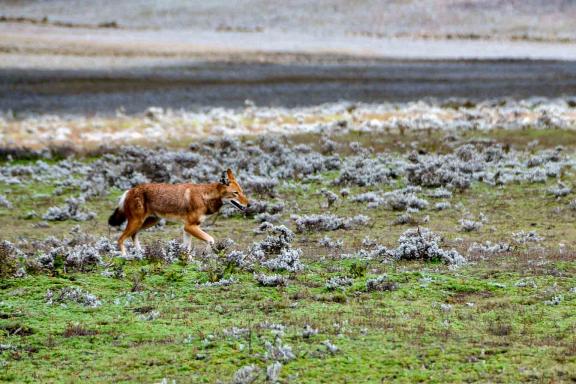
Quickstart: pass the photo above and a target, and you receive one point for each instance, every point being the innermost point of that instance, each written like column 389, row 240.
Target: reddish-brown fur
column 145, row 204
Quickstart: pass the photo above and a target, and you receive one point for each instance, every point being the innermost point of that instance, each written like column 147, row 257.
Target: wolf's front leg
column 194, row 230
column 186, row 240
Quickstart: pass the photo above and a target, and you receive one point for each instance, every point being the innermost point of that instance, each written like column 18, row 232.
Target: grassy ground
column 494, row 331
column 471, row 324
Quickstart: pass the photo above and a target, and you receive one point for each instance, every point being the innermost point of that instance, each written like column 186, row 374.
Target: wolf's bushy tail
column 117, row 218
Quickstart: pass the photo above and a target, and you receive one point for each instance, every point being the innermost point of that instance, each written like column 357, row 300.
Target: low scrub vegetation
column 444, row 256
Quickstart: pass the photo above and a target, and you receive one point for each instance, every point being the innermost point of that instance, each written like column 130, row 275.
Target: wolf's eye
column 235, row 193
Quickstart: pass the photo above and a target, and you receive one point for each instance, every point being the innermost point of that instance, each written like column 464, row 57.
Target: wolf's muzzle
column 237, row 205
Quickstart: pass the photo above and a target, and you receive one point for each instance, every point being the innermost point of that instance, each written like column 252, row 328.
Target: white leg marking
column 137, row 243
column 187, row 240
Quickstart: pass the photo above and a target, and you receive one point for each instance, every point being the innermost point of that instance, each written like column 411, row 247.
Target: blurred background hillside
column 187, row 54
column 509, row 19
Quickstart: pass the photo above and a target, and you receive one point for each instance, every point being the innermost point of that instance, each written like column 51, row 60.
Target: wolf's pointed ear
column 230, row 175
column 224, row 179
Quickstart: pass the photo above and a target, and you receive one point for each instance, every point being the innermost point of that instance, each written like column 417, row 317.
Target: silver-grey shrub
column 287, row 260
column 82, row 257
column 278, row 351
column 74, row 295
column 328, row 222
column 278, row 239
column 423, row 244
column 470, row 225
column 246, row 375
column 327, row 242
column 4, row 202
column 271, row 280
column 273, row 372
column 240, row 259
column 71, row 210
column 380, row 283
column 442, row 205
column 338, row 282
column 560, row 190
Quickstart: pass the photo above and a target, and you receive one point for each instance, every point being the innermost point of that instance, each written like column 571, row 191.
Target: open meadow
column 410, row 168
column 428, row 241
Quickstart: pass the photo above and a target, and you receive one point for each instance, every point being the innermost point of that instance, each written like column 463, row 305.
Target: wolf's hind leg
column 136, row 241
column 148, row 222
column 131, row 230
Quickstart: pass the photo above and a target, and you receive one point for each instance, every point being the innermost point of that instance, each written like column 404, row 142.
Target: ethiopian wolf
column 144, row 205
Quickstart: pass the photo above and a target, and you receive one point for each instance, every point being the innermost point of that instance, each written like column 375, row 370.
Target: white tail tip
column 122, row 200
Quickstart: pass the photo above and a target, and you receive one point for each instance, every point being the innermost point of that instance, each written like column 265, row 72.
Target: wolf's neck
column 213, row 205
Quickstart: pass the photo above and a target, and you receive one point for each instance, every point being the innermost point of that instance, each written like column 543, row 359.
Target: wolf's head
column 231, row 192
